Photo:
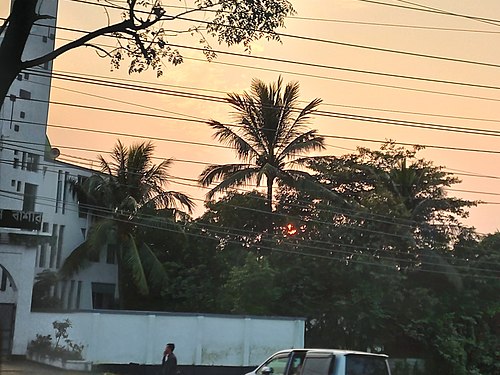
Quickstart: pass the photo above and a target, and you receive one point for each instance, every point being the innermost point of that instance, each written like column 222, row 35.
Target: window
column 3, row 279
column 365, row 365
column 71, row 294
column 22, row 114
column 78, row 294
column 103, row 295
column 19, row 77
column 19, row 185
column 318, row 364
column 29, row 197
column 277, row 364
column 296, row 362
column 43, row 255
column 82, row 206
column 24, row 94
column 59, row 189
column 32, row 161
column 60, row 241
column 26, row 76
column 65, row 191
column 16, row 128
column 53, row 247
column 13, row 183
column 45, row 227
column 111, row 253
column 23, row 161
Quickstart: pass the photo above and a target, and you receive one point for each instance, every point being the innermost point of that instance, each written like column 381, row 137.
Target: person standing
column 169, row 360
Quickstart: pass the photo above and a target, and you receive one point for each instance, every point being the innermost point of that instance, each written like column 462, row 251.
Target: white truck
column 323, row 362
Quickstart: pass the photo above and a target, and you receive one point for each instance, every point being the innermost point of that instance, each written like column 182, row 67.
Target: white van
column 323, row 362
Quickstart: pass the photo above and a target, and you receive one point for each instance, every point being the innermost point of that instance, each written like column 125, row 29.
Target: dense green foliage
column 124, row 199
column 388, row 267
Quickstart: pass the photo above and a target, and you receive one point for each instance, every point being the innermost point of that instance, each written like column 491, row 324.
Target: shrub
column 43, row 345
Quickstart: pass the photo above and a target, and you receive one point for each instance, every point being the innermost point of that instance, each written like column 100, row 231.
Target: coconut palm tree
column 271, row 139
column 120, row 198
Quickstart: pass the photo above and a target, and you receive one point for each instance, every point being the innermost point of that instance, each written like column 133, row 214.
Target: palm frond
column 237, row 178
column 303, row 181
column 131, row 262
column 217, row 172
column 77, row 260
column 154, row 270
column 306, row 112
column 306, row 142
column 100, row 234
column 289, row 101
column 225, row 135
column 168, row 199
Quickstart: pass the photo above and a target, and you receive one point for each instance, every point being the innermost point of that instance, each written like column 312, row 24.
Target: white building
column 40, row 223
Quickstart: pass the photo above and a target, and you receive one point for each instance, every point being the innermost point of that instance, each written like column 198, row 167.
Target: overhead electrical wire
column 323, row 113
column 319, row 19
column 251, row 67
column 491, row 21
column 413, row 89
column 51, row 202
column 331, row 67
column 357, row 213
column 103, row 213
column 212, row 98
column 302, row 63
column 371, row 217
column 448, row 13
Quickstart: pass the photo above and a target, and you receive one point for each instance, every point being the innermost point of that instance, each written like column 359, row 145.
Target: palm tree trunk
column 270, row 182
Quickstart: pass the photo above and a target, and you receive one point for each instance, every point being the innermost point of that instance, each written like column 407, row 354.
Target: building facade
column 40, row 221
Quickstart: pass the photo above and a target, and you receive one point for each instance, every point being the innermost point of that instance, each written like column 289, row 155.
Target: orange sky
column 346, row 21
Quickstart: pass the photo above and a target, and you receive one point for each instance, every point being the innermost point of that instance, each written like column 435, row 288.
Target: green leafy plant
column 63, row 347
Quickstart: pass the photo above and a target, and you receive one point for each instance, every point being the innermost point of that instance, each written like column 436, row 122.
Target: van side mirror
column 267, row 370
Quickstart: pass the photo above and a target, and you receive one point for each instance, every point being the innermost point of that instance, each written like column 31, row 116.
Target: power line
column 436, row 11
column 484, row 20
column 310, row 64
column 347, row 116
column 373, row 217
column 101, row 211
column 449, row 148
column 74, row 74
column 318, row 19
column 331, row 67
column 338, row 79
column 405, row 26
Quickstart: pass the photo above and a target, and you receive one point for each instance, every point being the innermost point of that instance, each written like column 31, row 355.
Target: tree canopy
column 124, row 198
column 269, row 139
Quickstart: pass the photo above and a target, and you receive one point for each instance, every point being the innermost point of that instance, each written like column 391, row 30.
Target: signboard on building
column 28, row 220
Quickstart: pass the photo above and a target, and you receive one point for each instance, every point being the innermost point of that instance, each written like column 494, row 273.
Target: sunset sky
column 346, row 52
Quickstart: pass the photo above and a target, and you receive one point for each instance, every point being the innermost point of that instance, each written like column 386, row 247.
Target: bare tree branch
column 99, row 49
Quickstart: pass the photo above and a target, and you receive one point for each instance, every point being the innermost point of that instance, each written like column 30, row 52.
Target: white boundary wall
column 140, row 337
